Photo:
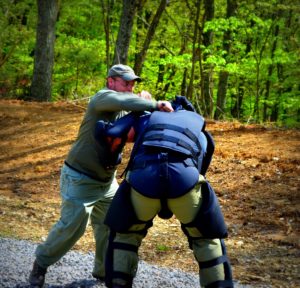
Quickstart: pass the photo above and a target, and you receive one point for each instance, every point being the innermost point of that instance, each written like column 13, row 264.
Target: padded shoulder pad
column 181, row 102
column 122, row 126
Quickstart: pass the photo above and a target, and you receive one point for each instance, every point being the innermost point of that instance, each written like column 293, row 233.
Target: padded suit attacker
column 166, row 176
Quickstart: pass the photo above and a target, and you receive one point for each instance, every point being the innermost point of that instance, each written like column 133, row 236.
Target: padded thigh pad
column 210, row 220
column 120, row 215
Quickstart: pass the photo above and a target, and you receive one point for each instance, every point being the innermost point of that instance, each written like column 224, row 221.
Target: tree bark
column 41, row 86
column 237, row 100
column 140, row 57
column 189, row 92
column 124, row 34
column 270, row 72
column 141, row 25
column 224, row 75
column 208, row 71
column 106, row 7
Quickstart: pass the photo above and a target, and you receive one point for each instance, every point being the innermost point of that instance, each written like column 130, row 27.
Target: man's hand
column 164, row 106
column 145, row 95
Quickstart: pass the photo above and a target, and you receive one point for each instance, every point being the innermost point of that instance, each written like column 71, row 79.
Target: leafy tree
column 17, row 23
column 207, row 76
column 124, row 34
column 80, row 53
column 194, row 51
column 231, row 63
column 41, row 87
column 140, row 57
column 224, row 74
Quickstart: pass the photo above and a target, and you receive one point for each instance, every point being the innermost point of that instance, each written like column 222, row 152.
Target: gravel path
column 74, row 270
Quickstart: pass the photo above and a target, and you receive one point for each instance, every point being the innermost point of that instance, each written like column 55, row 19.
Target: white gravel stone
column 74, row 270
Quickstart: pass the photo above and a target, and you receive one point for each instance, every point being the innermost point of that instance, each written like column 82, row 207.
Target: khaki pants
column 84, row 200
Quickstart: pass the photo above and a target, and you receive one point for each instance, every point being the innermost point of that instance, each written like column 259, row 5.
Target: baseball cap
column 123, row 71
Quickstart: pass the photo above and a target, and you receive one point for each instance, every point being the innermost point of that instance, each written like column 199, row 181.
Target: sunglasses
column 124, row 83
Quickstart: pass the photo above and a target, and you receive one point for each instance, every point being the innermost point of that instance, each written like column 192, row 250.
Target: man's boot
column 37, row 275
column 99, row 278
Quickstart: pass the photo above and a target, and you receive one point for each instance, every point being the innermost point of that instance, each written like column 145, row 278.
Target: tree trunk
column 221, row 94
column 124, row 34
column 141, row 25
column 236, row 110
column 270, row 72
column 237, row 107
column 44, row 50
column 207, row 69
column 160, row 74
column 106, row 7
column 189, row 92
column 224, row 75
column 183, row 90
column 140, row 57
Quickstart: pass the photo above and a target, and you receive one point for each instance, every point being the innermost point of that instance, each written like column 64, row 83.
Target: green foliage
column 17, row 24
column 80, row 53
column 76, row 72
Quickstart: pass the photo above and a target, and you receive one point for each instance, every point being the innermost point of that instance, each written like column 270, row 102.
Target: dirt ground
column 255, row 173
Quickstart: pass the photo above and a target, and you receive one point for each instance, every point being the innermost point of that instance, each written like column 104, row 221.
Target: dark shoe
column 100, row 278
column 37, row 275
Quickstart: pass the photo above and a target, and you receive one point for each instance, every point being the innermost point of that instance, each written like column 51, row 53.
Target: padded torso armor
column 169, row 154
column 180, row 131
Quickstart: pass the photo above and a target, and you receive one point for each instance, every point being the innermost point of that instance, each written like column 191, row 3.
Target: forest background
column 233, row 59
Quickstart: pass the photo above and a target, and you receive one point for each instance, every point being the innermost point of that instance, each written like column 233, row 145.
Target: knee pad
column 227, row 282
column 209, row 220
column 120, row 218
column 110, row 273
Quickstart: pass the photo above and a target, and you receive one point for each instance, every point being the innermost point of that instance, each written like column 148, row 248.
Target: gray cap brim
column 130, row 77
